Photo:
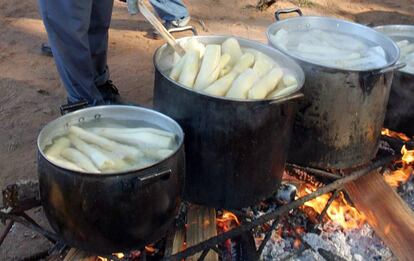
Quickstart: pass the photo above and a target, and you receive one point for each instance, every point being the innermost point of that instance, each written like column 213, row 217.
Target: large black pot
column 338, row 124
column 106, row 213
column 235, row 150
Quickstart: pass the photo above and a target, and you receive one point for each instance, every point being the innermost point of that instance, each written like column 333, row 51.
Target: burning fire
column 394, row 134
column 340, row 211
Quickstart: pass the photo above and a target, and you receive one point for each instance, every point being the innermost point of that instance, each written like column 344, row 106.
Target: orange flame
column 394, row 134
column 340, row 211
column 395, row 178
column 228, row 217
column 408, row 155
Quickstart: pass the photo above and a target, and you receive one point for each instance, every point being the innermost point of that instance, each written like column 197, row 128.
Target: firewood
column 389, row 216
column 201, row 225
column 264, row 4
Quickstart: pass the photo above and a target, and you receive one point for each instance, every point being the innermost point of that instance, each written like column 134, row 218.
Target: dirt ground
column 31, row 93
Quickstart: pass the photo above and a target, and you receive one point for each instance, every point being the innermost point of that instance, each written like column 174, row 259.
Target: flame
column 408, row 155
column 394, row 134
column 340, row 211
column 117, row 255
column 395, row 178
column 228, row 217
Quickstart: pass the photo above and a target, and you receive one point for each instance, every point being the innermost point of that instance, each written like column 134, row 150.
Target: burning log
column 21, row 196
column 201, row 225
column 391, row 219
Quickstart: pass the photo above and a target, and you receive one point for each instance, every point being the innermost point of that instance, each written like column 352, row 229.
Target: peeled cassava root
column 227, row 70
column 105, row 149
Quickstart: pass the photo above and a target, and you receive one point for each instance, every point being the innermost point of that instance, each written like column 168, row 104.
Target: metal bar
column 328, row 204
column 283, row 209
column 203, row 255
column 6, row 231
column 267, row 237
column 18, row 219
column 315, row 172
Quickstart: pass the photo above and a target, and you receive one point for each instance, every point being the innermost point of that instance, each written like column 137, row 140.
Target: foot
column 46, row 50
column 111, row 95
column 174, row 24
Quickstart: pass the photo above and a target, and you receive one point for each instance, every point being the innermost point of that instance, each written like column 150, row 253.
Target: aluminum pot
column 339, row 122
column 400, row 109
column 235, row 149
column 107, row 213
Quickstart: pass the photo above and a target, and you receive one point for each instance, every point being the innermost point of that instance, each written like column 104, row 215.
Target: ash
column 329, row 241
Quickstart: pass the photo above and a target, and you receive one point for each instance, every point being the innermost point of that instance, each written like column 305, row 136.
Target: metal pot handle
column 287, row 11
column 395, row 67
column 153, row 177
column 71, row 107
column 295, row 96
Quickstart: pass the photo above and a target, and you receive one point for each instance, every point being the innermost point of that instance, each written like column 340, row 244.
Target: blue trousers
column 78, row 36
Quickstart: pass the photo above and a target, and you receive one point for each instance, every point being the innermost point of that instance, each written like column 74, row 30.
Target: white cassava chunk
column 61, row 162
column 177, row 69
column 131, row 131
column 79, row 159
column 242, row 84
column 222, row 85
column 231, row 46
column 141, row 139
column 261, row 67
column 194, row 44
column 122, row 150
column 402, row 43
column 280, row 38
column 209, row 64
column 406, row 49
column 290, row 80
column 245, row 61
column 266, row 84
column 57, row 146
column 97, row 157
column 157, row 154
column 190, row 68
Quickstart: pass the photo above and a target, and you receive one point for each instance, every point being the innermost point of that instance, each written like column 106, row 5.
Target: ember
column 394, row 134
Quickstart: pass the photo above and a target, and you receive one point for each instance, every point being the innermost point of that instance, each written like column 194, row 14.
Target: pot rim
column 298, row 70
column 272, row 26
column 112, row 174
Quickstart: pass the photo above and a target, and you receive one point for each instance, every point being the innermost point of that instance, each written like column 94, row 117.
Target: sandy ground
column 31, row 93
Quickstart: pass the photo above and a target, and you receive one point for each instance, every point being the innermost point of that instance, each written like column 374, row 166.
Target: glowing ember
column 340, row 211
column 408, row 155
column 394, row 134
column 228, row 217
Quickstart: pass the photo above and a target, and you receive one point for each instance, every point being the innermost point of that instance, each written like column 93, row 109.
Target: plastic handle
column 287, row 11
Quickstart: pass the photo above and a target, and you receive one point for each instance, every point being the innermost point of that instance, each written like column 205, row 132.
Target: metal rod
column 315, row 172
column 328, row 204
column 18, row 219
column 267, row 237
column 203, row 255
column 209, row 243
column 6, row 231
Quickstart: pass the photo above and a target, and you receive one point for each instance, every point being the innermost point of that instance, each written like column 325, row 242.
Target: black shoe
column 111, row 95
column 46, row 50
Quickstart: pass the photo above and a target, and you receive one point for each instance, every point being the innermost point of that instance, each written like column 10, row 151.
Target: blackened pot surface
column 106, row 213
column 338, row 123
column 235, row 152
column 400, row 110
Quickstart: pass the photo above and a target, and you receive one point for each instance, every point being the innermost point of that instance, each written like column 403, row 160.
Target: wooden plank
column 78, row 255
column 201, row 225
column 389, row 216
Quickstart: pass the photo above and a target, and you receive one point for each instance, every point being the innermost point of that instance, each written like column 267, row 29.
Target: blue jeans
column 78, row 36
column 170, row 10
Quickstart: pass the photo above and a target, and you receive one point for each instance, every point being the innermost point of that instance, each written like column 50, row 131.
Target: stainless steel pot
column 400, row 110
column 106, row 213
column 339, row 122
column 235, row 149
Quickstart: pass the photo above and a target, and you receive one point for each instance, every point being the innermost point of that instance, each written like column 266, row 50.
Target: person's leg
column 98, row 38
column 67, row 24
column 170, row 10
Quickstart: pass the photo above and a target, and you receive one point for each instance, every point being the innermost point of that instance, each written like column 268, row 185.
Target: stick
column 280, row 211
column 389, row 216
column 78, row 255
column 160, row 28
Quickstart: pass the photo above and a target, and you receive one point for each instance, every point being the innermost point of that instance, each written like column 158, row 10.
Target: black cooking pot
column 235, row 149
column 338, row 124
column 106, row 213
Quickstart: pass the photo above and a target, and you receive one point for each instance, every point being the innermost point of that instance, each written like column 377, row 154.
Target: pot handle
column 153, row 177
column 395, row 67
column 71, row 107
column 287, row 11
column 295, row 96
